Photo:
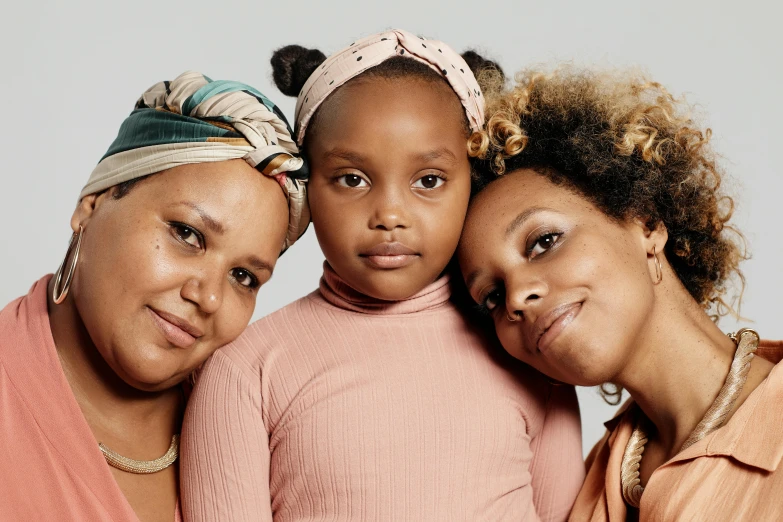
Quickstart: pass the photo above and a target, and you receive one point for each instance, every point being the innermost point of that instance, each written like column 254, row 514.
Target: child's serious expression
column 390, row 183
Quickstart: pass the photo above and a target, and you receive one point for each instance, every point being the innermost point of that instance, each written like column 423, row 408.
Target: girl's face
column 170, row 272
column 390, row 183
column 568, row 288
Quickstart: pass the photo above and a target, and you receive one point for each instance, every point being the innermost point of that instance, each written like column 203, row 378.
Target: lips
column 390, row 255
column 550, row 325
column 176, row 330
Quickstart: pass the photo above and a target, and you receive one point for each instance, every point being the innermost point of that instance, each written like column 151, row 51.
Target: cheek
column 336, row 236
column 441, row 222
column 232, row 319
column 335, row 221
column 618, row 299
column 229, row 323
column 123, row 270
column 623, row 295
column 130, row 258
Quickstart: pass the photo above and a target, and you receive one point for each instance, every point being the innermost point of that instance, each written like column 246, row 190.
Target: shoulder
column 534, row 395
column 770, row 350
column 11, row 331
column 24, row 318
column 9, row 316
column 281, row 330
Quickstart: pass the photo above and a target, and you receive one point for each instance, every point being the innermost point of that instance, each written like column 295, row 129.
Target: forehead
column 231, row 191
column 510, row 196
column 220, row 179
column 382, row 104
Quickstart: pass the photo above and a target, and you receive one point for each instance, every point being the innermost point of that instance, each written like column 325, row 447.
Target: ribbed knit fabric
column 340, row 407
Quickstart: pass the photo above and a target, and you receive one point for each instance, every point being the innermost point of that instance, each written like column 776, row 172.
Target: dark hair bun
column 292, row 65
column 478, row 64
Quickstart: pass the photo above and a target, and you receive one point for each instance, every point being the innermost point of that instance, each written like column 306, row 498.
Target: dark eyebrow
column 521, row 218
column 210, row 222
column 260, row 264
column 343, row 154
column 442, row 152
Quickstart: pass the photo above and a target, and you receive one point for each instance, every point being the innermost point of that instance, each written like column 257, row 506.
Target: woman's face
column 568, row 288
column 170, row 272
column 390, row 183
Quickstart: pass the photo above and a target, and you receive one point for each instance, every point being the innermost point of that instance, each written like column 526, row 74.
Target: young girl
column 373, row 398
column 598, row 254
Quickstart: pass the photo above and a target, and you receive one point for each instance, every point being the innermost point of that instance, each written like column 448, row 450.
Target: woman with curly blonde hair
column 599, row 242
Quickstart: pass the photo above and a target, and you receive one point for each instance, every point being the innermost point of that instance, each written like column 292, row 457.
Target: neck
column 341, row 294
column 691, row 357
column 109, row 404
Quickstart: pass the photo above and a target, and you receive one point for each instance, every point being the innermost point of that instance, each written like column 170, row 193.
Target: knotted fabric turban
column 194, row 119
column 371, row 51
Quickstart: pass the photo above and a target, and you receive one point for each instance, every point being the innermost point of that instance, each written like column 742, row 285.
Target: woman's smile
column 549, row 326
column 176, row 330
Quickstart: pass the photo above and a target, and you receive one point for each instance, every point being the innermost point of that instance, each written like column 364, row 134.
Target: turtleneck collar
column 337, row 292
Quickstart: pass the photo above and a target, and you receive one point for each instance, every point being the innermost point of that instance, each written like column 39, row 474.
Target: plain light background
column 73, row 70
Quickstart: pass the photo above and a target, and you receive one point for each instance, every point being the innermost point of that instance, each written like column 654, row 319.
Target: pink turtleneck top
column 341, row 407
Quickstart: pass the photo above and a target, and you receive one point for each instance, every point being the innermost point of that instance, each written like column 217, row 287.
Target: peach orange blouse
column 732, row 474
column 50, row 465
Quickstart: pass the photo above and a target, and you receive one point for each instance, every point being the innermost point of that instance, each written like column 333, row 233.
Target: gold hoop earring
column 75, row 245
column 658, row 268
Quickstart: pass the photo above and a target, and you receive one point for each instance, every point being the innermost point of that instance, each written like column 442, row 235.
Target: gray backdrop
column 72, row 72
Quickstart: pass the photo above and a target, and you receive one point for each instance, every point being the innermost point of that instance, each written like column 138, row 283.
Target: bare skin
column 191, row 244
column 390, row 183
column 577, row 296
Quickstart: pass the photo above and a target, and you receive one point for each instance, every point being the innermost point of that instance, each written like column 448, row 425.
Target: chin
column 148, row 373
column 574, row 363
column 149, row 382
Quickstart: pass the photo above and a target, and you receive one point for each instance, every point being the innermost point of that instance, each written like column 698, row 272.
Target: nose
column 205, row 290
column 524, row 294
column 390, row 211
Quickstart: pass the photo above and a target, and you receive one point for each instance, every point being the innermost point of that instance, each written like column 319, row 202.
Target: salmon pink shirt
column 340, row 407
column 50, row 465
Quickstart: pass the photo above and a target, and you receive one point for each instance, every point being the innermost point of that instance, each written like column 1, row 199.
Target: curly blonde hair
column 632, row 149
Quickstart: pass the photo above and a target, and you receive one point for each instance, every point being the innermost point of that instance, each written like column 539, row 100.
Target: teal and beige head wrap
column 196, row 120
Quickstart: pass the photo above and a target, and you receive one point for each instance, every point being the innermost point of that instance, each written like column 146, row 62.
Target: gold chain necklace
column 142, row 466
column 747, row 341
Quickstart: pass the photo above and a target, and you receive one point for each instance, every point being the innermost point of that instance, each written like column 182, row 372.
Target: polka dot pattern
column 371, row 51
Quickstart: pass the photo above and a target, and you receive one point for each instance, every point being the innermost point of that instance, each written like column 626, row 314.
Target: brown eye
column 544, row 243
column 352, row 181
column 187, row 235
column 244, row 278
column 430, row 181
column 491, row 300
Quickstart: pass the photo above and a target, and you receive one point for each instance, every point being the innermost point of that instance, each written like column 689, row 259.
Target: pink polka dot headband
column 371, row 51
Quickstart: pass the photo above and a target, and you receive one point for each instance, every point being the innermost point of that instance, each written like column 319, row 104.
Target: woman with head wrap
column 177, row 228
column 373, row 399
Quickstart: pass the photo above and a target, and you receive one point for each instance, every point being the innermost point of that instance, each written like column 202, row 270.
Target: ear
column 654, row 240
column 86, row 209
